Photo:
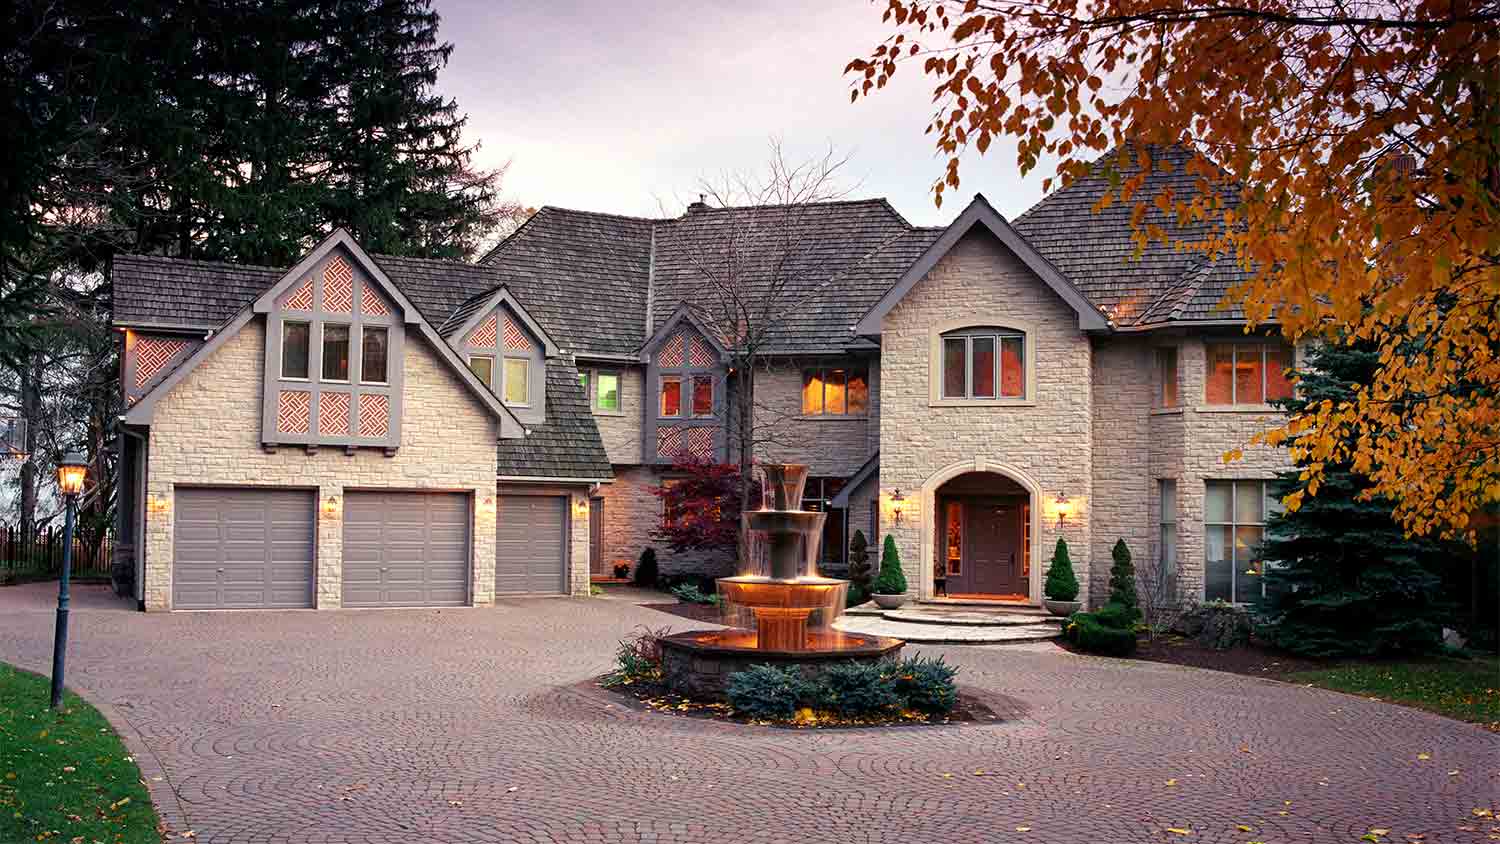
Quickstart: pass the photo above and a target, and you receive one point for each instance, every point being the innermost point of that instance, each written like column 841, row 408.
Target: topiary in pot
column 1122, row 582
column 1061, row 587
column 890, row 585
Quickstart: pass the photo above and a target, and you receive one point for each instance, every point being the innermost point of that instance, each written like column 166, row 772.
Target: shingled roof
column 567, row 445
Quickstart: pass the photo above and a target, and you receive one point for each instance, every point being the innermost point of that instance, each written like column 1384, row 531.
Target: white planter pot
column 1063, row 608
column 889, row 602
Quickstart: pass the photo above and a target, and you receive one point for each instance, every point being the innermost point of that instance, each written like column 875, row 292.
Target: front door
column 993, row 547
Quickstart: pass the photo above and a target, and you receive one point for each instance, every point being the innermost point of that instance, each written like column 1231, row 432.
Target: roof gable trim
column 981, row 213
column 682, row 314
column 502, row 296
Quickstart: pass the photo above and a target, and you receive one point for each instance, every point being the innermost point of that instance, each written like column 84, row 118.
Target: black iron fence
column 40, row 555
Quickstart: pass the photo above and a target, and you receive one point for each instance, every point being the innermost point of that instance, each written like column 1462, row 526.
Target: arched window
column 983, row 363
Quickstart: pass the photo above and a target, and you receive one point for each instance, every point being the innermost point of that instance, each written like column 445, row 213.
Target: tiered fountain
column 779, row 610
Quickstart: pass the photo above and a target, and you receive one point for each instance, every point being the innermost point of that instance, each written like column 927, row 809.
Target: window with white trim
column 1168, row 496
column 984, row 364
column 517, row 374
column 1234, row 523
column 483, row 367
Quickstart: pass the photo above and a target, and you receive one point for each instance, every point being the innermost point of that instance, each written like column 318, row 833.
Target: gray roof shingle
column 151, row 290
column 567, row 445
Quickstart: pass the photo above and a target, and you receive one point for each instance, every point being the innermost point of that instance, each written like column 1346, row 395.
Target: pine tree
column 1341, row 577
column 892, row 580
column 1122, row 582
column 1062, row 584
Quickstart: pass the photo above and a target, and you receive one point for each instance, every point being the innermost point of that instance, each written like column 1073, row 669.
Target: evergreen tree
column 1341, row 577
column 1062, row 584
column 860, row 570
column 1122, row 582
column 891, row 580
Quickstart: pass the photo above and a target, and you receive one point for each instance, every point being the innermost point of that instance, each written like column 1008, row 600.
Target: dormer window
column 374, row 354
column 335, row 352
column 671, row 396
column 483, row 367
column 517, row 381
column 703, row 395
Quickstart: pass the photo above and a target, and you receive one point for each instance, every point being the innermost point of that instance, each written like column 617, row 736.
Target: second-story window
column 483, row 367
column 984, row 363
column 602, row 387
column 374, row 349
column 335, row 352
column 296, row 346
column 1166, row 376
column 703, row 395
column 671, row 396
column 835, row 392
column 517, row 381
column 1247, row 373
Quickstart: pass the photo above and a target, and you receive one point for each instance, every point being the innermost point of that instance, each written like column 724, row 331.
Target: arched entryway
column 982, row 525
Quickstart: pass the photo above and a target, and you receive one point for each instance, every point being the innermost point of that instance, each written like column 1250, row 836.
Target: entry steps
column 943, row 623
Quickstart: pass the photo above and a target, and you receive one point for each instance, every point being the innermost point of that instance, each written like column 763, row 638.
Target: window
column 835, row 392
column 517, row 380
column 671, row 396
column 984, row 364
column 1234, row 520
column 954, row 542
column 1166, row 376
column 374, row 348
column 1168, row 526
column 818, row 496
column 1247, row 373
column 703, row 395
column 295, row 345
column 335, row 352
column 483, row 366
column 583, row 380
column 607, row 391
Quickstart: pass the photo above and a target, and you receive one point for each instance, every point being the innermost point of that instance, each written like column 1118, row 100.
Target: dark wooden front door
column 992, row 548
column 596, row 538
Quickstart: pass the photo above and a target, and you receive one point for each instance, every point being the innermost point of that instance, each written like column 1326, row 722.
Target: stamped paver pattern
column 469, row 726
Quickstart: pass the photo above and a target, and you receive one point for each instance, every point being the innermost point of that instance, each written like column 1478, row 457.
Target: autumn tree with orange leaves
column 1363, row 143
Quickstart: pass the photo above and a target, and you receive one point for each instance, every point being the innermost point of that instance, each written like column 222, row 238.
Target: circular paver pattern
column 467, row 726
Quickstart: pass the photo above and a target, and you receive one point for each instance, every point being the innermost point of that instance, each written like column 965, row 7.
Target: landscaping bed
column 65, row 776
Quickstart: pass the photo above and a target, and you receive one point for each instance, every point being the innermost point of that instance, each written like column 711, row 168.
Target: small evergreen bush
column 857, row 689
column 1122, row 582
column 767, row 692
column 1114, row 614
column 689, row 593
column 1094, row 636
column 645, row 569
column 860, row 570
column 892, row 581
column 926, row 685
column 1062, row 584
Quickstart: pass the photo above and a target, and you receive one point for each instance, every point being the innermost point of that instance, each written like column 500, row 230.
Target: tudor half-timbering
column 365, row 430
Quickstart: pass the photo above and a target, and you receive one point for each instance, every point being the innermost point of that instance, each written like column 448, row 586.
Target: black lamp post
column 70, row 473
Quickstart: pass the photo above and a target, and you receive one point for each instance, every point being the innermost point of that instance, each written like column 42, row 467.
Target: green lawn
column 65, row 777
column 1466, row 689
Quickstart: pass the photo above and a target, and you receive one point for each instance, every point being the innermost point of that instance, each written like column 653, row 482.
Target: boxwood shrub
column 767, row 692
column 1092, row 634
column 926, row 685
column 857, row 689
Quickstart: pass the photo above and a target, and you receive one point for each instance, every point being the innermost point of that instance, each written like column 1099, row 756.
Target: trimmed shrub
column 860, row 570
column 645, row 569
column 1114, row 615
column 767, row 692
column 892, row 581
column 926, row 685
column 1122, row 582
column 1062, row 584
column 856, row 689
column 1216, row 624
column 1093, row 636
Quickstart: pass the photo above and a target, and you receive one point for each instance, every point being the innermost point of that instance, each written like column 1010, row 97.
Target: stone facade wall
column 207, row 432
column 831, row 445
column 1046, row 442
column 631, row 513
column 1123, row 485
column 621, row 432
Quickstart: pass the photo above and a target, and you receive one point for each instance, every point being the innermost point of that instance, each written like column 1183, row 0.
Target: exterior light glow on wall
column 1063, row 507
column 898, row 504
column 331, row 507
column 487, row 505
column 158, row 504
column 580, row 506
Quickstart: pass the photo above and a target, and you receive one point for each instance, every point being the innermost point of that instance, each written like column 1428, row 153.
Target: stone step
column 968, row 618
column 952, row 634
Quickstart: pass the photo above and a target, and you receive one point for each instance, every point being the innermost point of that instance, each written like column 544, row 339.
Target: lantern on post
column 71, row 472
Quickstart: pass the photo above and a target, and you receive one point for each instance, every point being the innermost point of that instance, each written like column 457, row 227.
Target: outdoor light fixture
column 487, row 505
column 896, row 504
column 1064, row 507
column 331, row 507
column 157, row 504
column 70, row 474
column 581, row 506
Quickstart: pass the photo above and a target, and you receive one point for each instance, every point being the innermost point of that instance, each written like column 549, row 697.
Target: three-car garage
column 256, row 547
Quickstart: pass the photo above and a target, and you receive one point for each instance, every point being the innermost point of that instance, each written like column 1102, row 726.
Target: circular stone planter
column 1063, row 608
column 698, row 663
column 889, row 602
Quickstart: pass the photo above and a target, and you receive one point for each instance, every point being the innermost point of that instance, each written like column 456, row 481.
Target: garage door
column 242, row 548
column 406, row 549
column 531, row 547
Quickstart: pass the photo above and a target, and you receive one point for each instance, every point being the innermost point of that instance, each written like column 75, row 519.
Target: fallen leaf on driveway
column 1023, row 829
column 1179, row 830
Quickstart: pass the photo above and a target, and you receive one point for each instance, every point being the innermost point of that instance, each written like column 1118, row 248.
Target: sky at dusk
column 625, row 106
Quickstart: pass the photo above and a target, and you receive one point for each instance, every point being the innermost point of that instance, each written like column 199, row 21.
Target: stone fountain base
column 698, row 663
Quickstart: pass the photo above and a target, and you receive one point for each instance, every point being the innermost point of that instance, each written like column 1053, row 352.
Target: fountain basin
column 698, row 663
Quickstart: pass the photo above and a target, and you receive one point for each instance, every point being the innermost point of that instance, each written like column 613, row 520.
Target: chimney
column 700, row 205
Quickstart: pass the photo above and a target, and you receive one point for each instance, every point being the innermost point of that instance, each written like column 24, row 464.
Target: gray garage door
column 406, row 549
column 531, row 545
column 242, row 548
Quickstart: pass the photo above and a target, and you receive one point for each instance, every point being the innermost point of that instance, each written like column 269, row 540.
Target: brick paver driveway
column 457, row 726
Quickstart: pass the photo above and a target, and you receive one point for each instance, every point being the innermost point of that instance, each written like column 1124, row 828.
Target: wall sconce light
column 487, row 505
column 1064, row 507
column 157, row 504
column 331, row 507
column 580, row 506
column 897, row 504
